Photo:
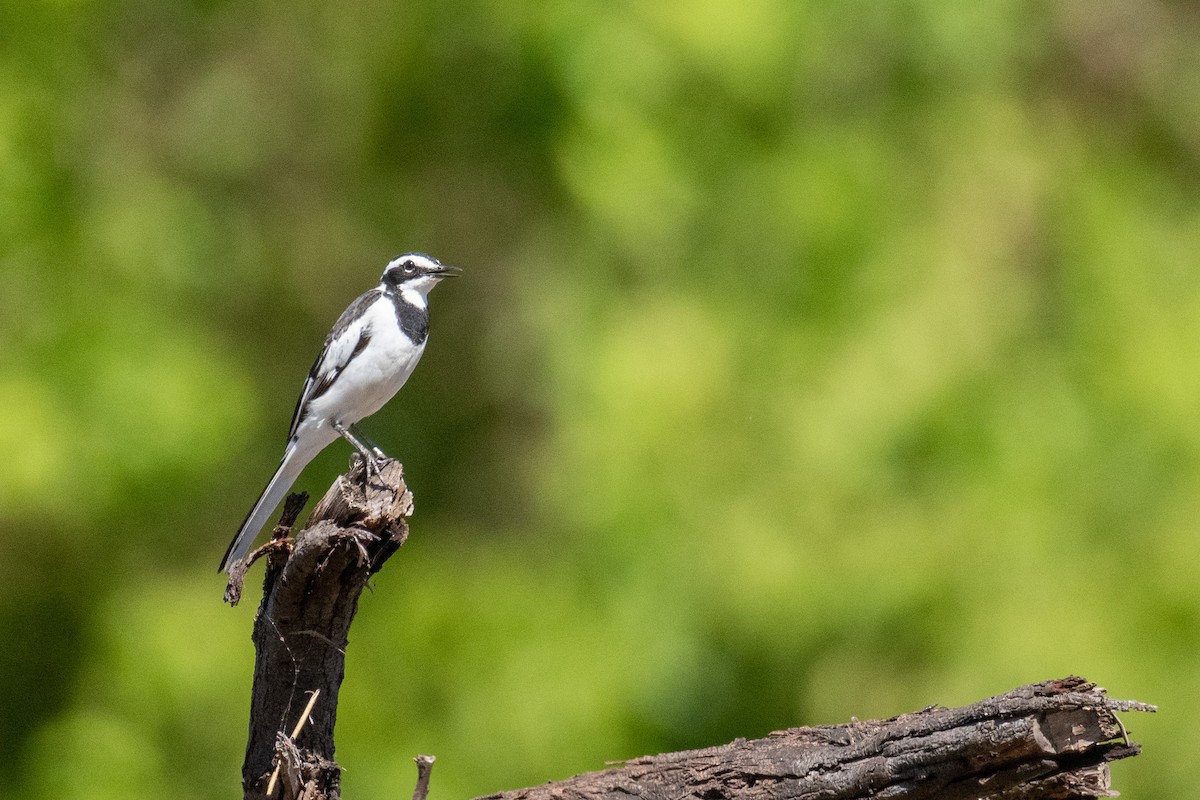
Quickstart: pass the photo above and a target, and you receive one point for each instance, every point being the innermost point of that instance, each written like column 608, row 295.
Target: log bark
column 310, row 596
column 1046, row 740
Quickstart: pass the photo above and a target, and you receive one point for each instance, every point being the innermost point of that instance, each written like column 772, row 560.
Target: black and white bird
column 367, row 357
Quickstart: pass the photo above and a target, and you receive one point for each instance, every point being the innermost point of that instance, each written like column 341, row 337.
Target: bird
column 367, row 357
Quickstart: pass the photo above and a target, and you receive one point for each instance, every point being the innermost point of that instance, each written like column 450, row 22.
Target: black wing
column 349, row 336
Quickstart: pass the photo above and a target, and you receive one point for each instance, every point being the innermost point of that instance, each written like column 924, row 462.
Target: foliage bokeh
column 811, row 360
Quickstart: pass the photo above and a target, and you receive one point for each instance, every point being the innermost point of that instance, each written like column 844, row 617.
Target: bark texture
column 310, row 595
column 1046, row 740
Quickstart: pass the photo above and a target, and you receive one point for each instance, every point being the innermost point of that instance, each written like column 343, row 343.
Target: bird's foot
column 373, row 464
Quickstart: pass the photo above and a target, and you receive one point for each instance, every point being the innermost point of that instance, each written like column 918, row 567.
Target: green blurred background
column 811, row 360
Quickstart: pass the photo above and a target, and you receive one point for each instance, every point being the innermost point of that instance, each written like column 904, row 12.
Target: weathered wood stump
column 310, row 595
column 1046, row 740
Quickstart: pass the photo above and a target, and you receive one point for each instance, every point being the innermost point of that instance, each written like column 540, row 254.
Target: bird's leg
column 379, row 454
column 369, row 461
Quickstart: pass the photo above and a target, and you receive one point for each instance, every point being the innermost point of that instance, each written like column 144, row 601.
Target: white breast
column 375, row 375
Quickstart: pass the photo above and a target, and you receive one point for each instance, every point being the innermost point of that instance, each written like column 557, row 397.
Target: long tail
column 295, row 459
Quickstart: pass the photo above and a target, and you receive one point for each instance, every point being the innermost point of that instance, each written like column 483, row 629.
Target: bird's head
column 416, row 272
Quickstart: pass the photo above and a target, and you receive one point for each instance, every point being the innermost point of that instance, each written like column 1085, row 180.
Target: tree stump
column 310, row 596
column 1046, row 740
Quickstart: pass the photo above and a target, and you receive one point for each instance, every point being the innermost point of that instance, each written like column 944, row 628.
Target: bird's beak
column 448, row 272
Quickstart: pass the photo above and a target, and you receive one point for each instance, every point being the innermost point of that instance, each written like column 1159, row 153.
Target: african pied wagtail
column 367, row 357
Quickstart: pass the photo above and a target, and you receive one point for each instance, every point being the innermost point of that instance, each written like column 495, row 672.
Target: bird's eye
column 409, row 267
